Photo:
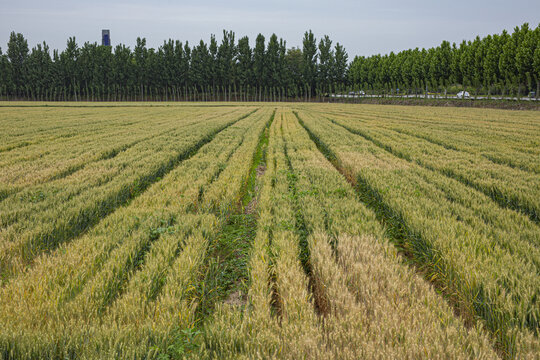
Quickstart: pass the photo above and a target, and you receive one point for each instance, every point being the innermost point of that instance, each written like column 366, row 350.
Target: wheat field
column 268, row 230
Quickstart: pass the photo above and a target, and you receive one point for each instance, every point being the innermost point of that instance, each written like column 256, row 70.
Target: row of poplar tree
column 230, row 70
column 507, row 64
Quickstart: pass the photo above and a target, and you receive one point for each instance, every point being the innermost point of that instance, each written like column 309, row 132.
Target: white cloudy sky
column 364, row 27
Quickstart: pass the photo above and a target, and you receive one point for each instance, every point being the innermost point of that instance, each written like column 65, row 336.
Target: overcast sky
column 363, row 27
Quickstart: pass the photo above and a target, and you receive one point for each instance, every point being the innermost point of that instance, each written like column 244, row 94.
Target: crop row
column 310, row 293
column 70, row 205
column 61, row 157
column 485, row 257
column 465, row 121
column 389, row 312
column 122, row 289
column 509, row 187
column 34, row 126
column 372, row 241
column 279, row 319
column 492, row 135
column 478, row 129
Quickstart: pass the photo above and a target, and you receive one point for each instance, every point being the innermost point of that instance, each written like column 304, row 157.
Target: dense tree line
column 230, row 70
column 507, row 64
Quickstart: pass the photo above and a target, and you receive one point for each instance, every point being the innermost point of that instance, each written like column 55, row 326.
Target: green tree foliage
column 6, row 80
column 496, row 64
column 536, row 62
column 309, row 64
column 326, row 64
column 38, row 75
column 259, row 64
column 201, row 63
column 491, row 74
column 245, row 64
column 17, row 53
column 233, row 70
column 273, row 63
column 341, row 60
column 293, row 65
column 524, row 57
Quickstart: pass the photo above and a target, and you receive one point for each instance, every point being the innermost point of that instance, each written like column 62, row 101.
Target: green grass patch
column 227, row 267
column 225, row 271
column 249, row 190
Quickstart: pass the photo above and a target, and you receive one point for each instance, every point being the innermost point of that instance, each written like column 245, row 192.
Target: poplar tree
column 507, row 65
column 341, row 60
column 6, row 81
column 524, row 57
column 309, row 64
column 175, row 71
column 293, row 65
column 245, row 65
column 259, row 63
column 536, row 62
column 17, row 53
column 326, row 64
column 491, row 62
column 273, row 65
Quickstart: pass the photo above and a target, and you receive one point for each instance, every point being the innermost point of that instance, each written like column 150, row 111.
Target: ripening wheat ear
column 387, row 184
column 379, row 233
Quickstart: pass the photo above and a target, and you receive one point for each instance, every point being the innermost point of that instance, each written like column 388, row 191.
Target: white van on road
column 463, row 95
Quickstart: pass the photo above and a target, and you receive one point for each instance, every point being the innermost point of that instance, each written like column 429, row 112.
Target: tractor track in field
column 227, row 258
column 224, row 275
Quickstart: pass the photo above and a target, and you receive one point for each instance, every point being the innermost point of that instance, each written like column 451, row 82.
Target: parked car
column 361, row 93
column 532, row 94
column 463, row 95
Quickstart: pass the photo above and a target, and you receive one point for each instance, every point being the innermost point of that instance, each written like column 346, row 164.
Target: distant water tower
column 106, row 37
